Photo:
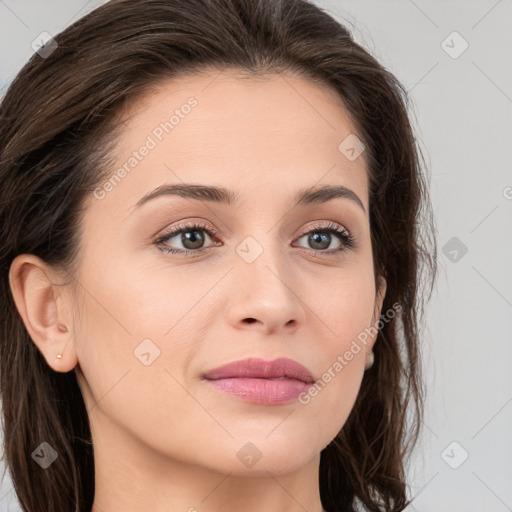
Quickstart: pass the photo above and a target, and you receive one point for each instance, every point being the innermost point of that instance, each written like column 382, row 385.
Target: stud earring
column 59, row 356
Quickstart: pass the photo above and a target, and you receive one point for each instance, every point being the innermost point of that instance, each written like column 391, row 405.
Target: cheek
column 346, row 307
column 136, row 330
column 135, row 340
column 343, row 312
column 150, row 298
column 134, row 376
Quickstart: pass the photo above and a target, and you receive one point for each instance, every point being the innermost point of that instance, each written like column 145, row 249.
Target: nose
column 266, row 296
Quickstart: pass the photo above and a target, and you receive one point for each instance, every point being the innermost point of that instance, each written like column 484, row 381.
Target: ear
column 379, row 300
column 44, row 307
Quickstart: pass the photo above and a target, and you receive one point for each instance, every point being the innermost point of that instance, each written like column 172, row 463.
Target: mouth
column 263, row 382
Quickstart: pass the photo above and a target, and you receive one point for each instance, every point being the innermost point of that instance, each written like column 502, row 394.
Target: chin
column 258, row 456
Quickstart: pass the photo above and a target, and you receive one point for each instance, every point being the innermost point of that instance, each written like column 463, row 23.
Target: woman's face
column 261, row 277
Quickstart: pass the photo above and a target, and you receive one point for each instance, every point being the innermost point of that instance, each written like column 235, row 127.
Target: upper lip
column 260, row 369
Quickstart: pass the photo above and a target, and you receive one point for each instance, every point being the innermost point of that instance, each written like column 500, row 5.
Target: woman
column 215, row 236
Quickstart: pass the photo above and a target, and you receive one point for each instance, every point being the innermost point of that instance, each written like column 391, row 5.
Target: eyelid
column 188, row 225
column 326, row 224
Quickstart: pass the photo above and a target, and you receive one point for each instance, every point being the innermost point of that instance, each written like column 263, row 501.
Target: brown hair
column 56, row 137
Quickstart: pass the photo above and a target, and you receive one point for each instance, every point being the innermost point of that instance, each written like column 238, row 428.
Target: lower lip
column 262, row 391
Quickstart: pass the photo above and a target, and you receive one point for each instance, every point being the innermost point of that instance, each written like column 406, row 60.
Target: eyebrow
column 211, row 193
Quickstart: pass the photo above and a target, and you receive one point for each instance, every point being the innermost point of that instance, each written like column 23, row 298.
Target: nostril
column 250, row 320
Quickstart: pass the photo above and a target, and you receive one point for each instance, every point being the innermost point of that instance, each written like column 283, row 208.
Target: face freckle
column 161, row 323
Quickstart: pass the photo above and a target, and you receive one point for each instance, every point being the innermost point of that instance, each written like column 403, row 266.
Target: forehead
column 230, row 105
column 266, row 134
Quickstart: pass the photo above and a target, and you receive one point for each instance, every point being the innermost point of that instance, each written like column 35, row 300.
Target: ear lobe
column 42, row 307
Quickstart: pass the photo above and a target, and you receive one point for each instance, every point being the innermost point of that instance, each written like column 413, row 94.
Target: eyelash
column 347, row 240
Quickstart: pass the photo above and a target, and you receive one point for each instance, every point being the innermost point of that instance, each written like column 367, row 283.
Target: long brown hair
column 56, row 137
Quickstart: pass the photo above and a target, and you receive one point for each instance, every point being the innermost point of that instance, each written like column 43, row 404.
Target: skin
column 164, row 440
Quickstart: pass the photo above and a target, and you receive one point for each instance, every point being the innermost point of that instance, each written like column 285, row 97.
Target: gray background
column 462, row 105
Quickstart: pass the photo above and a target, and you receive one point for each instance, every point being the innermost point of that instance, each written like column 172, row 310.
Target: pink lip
column 263, row 382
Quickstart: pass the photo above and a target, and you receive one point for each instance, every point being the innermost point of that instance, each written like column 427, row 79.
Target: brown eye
column 192, row 237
